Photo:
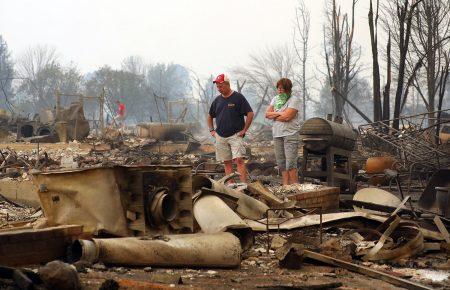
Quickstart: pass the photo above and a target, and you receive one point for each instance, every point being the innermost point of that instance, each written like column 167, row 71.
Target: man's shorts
column 228, row 148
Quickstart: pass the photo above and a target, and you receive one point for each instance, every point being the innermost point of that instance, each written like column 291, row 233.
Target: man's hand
column 213, row 133
column 242, row 133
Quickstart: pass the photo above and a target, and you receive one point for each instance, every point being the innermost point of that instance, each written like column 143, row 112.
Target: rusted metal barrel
column 318, row 134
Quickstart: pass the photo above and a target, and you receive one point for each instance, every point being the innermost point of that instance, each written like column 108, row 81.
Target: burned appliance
column 332, row 143
column 119, row 201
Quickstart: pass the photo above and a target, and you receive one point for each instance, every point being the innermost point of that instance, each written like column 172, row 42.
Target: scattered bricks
column 325, row 197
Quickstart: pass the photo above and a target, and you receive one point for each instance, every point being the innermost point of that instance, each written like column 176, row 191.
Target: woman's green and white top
column 281, row 129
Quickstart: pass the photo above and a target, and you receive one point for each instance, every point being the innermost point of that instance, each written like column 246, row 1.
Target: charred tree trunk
column 301, row 40
column 341, row 65
column 239, row 86
column 337, row 67
column 387, row 87
column 405, row 20
column 431, row 64
column 305, row 48
column 377, row 110
column 442, row 85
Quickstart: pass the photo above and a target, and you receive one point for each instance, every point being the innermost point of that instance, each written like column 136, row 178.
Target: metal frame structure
column 81, row 98
column 414, row 143
column 333, row 155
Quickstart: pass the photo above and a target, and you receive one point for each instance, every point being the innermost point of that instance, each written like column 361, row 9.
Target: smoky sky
column 206, row 36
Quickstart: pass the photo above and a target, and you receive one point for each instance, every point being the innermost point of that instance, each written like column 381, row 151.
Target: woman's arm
column 287, row 115
column 271, row 114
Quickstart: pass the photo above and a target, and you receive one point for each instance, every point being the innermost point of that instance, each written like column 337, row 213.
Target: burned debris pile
column 137, row 212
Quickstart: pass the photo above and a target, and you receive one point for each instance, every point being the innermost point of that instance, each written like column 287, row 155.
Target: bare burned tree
column 301, row 39
column 340, row 56
column 373, row 27
column 42, row 74
column 387, row 87
column 431, row 42
column 265, row 69
column 398, row 19
column 240, row 86
column 6, row 75
column 206, row 91
column 443, row 80
column 34, row 62
column 135, row 64
column 35, row 59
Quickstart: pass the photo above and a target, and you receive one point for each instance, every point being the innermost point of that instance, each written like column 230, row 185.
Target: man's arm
column 248, row 122
column 211, row 125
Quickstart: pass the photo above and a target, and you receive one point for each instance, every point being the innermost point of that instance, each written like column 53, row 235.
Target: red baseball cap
column 221, row 78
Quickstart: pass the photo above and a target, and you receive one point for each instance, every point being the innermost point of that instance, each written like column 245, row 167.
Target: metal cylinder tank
column 162, row 131
column 221, row 250
column 318, row 134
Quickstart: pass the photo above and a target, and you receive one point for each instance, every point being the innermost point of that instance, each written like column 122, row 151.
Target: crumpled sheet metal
column 308, row 220
column 384, row 237
column 313, row 220
column 413, row 237
column 188, row 250
column 214, row 216
column 66, row 198
column 247, row 206
column 376, row 196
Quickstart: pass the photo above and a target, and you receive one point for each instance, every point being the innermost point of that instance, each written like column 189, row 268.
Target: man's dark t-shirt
column 229, row 113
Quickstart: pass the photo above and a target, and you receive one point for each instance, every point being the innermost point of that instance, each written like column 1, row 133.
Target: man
column 229, row 109
column 120, row 117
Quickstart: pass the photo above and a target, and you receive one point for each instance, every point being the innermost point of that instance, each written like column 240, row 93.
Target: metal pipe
column 221, row 250
column 162, row 208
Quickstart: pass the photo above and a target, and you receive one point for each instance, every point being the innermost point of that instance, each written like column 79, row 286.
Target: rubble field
column 145, row 214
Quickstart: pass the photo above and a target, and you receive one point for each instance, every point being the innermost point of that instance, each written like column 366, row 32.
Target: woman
column 283, row 110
